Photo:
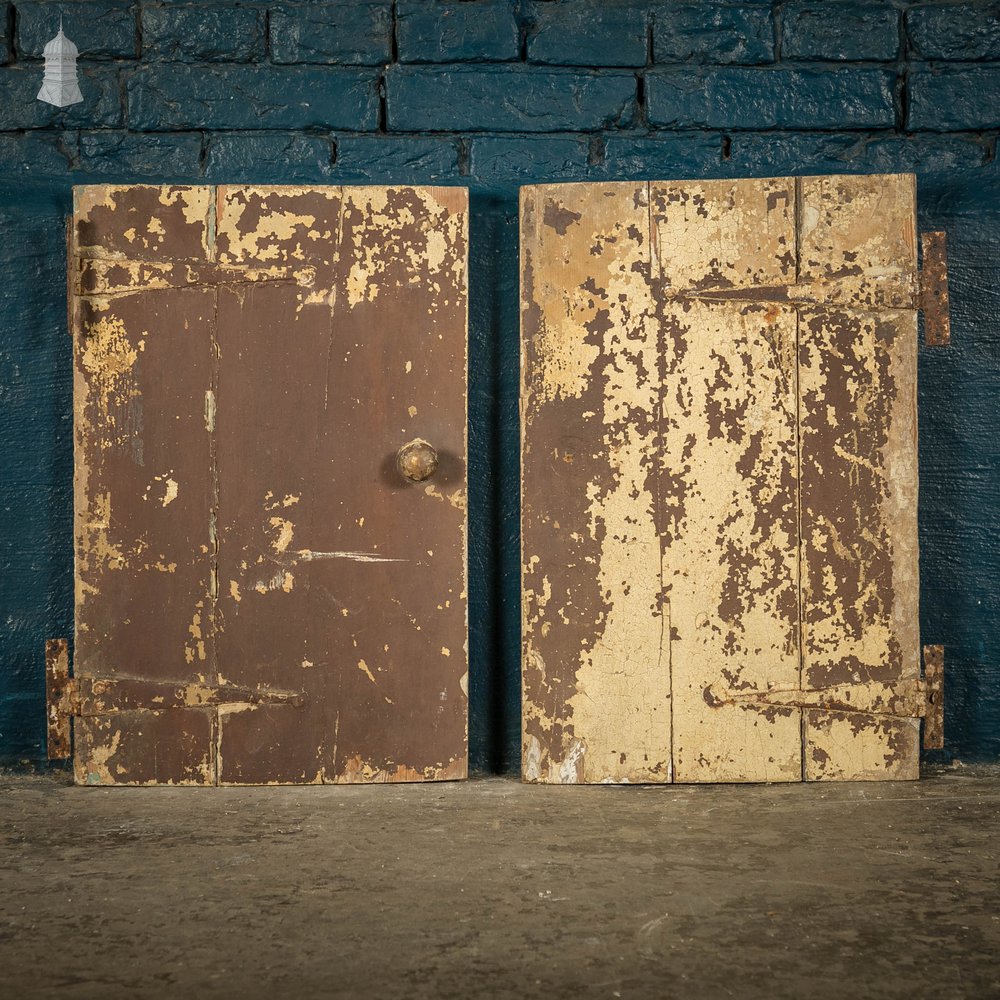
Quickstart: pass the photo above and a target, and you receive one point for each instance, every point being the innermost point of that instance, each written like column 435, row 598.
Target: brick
column 396, row 159
column 128, row 155
column 780, row 153
column 670, row 156
column 349, row 33
column 275, row 158
column 205, row 31
column 713, row 33
column 923, row 155
column 832, row 30
column 4, row 36
column 961, row 32
column 462, row 31
column 569, row 33
column 19, row 108
column 507, row 99
column 501, row 164
column 38, row 154
column 100, row 29
column 172, row 96
column 738, row 98
column 954, row 97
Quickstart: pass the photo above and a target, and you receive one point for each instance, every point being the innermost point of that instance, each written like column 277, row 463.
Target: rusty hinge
column 83, row 697
column 934, row 289
column 912, row 698
column 934, row 697
column 58, row 688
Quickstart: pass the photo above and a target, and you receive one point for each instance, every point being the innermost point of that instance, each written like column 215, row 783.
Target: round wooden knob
column 416, row 461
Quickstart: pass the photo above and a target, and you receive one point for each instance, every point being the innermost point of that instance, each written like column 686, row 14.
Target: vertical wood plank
column 728, row 494
column 337, row 578
column 860, row 582
column 142, row 472
column 728, row 474
column 596, row 678
column 857, row 374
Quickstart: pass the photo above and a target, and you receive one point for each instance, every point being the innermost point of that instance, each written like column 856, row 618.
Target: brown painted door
column 719, row 485
column 261, row 594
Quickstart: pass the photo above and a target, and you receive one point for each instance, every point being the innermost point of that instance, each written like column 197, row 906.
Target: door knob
column 416, row 460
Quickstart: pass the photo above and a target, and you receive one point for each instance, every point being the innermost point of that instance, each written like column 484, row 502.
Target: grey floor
column 491, row 889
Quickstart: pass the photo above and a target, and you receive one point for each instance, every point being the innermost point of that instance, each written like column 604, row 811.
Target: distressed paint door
column 719, row 551
column 261, row 596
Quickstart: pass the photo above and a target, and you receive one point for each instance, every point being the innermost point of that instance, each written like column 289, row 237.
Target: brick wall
column 493, row 94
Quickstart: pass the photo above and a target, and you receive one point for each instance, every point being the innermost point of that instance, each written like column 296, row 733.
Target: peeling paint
column 682, row 344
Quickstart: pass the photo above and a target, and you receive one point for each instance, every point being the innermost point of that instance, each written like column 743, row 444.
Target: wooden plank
column 727, row 490
column 142, row 467
column 147, row 747
column 857, row 238
column 857, row 415
column 860, row 581
column 596, row 680
column 728, row 474
column 723, row 236
column 338, row 577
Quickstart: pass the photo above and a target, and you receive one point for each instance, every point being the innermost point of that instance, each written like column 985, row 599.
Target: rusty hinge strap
column 934, row 289
column 58, row 693
column 934, row 697
column 910, row 698
column 100, row 696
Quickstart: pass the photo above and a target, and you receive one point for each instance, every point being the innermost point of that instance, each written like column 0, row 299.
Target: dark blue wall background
column 493, row 94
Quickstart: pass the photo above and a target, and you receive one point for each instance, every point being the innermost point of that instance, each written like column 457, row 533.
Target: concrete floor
column 491, row 889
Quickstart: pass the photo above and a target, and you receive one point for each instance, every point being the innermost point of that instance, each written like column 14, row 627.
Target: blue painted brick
column 100, row 29
column 830, row 30
column 4, row 36
column 19, row 108
column 507, row 99
column 501, row 164
column 962, row 31
column 128, row 155
column 737, row 98
column 38, row 154
column 269, row 157
column 349, row 32
column 779, row 153
column 954, row 97
column 669, row 156
column 713, row 33
column 457, row 31
column 177, row 96
column 396, row 159
column 204, row 31
column 570, row 33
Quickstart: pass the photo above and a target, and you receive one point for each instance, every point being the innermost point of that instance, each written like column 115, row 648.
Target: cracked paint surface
column 239, row 403
column 718, row 427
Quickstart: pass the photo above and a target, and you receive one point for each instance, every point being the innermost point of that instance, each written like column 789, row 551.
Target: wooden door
column 719, row 540
column 262, row 594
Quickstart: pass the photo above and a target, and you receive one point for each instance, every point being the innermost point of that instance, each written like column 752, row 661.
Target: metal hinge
column 913, row 698
column 934, row 289
column 86, row 697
